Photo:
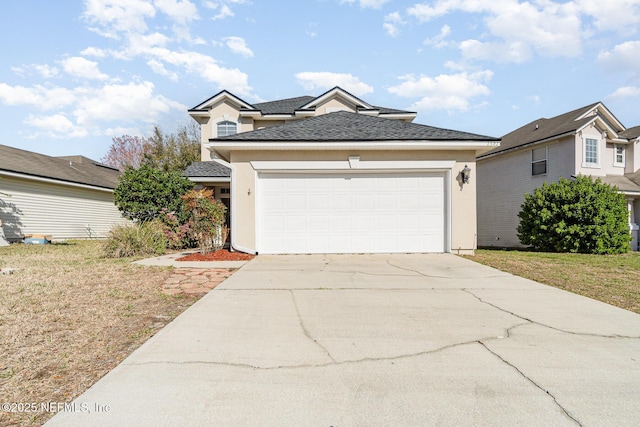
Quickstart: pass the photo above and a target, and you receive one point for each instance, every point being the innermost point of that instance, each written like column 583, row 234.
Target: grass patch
column 68, row 316
column 614, row 279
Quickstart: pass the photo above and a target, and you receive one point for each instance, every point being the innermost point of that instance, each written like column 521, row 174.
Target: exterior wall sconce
column 465, row 174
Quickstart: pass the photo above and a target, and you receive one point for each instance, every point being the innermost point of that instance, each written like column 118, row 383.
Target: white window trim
column 220, row 119
column 228, row 122
column 546, row 161
column 615, row 155
column 584, row 154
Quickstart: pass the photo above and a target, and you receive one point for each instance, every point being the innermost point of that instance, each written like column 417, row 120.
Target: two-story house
column 335, row 174
column 587, row 141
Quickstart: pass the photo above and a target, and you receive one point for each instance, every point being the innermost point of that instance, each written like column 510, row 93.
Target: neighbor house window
column 591, row 152
column 227, row 128
column 539, row 161
column 619, row 155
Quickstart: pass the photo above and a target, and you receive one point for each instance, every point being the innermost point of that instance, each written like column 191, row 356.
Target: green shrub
column 143, row 193
column 135, row 239
column 580, row 215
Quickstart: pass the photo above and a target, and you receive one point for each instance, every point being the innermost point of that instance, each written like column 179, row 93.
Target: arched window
column 227, row 128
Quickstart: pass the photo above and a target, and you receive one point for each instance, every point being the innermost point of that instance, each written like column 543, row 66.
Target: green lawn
column 614, row 279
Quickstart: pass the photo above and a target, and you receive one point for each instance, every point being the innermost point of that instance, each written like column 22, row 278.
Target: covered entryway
column 349, row 212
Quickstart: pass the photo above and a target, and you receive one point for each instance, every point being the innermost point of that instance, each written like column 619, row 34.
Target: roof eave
column 40, row 178
column 223, row 148
column 408, row 116
column 528, row 144
column 200, row 179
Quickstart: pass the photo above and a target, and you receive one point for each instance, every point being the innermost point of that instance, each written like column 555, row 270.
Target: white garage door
column 351, row 213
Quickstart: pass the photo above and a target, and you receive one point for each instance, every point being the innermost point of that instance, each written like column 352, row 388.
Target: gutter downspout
column 234, row 245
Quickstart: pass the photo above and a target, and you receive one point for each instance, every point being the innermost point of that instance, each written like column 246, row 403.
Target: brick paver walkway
column 195, row 281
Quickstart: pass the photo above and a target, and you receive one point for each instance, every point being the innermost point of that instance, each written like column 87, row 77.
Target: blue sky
column 74, row 74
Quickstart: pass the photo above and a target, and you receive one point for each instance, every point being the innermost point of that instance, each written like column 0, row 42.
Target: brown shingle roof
column 542, row 129
column 624, row 183
column 630, row 133
column 75, row 169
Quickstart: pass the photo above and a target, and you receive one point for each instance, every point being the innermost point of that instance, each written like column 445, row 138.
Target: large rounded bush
column 580, row 215
column 143, row 194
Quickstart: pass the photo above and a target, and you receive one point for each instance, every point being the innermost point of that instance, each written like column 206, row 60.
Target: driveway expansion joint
column 547, row 392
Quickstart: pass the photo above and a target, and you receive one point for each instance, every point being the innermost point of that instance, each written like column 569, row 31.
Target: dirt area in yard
column 219, row 255
column 69, row 316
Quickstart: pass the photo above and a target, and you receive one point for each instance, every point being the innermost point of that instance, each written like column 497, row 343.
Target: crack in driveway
column 547, row 392
column 420, row 273
column 306, row 331
column 586, row 334
column 308, row 365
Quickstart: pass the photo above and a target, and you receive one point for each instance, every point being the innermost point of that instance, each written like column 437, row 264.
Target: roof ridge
column 349, row 126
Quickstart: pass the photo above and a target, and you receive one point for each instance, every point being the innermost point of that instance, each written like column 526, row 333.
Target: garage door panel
column 350, row 213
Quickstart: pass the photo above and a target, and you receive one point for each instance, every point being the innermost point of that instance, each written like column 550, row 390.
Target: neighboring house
column 65, row 197
column 587, row 141
column 334, row 174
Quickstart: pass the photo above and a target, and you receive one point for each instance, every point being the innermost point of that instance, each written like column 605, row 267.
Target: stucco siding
column 463, row 202
column 63, row 211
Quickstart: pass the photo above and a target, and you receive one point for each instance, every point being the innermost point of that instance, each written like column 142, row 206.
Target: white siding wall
column 502, row 183
column 63, row 211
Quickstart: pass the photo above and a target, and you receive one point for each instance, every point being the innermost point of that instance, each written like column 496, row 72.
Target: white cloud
column 42, row 97
column 515, row 51
column 515, row 29
column 367, row 4
column 238, row 45
column 551, row 29
column 626, row 92
column 53, row 126
column 391, row 24
column 121, row 103
column 316, row 81
column 223, row 7
column 159, row 68
column 624, row 57
column 118, row 16
column 83, row 110
column 43, row 70
column 94, row 51
column 180, row 11
column 622, row 16
column 203, row 66
column 440, row 41
column 449, row 92
column 78, row 66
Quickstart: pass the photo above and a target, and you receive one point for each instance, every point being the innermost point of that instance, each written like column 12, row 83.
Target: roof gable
column 73, row 169
column 343, row 95
column 302, row 106
column 564, row 124
column 219, row 97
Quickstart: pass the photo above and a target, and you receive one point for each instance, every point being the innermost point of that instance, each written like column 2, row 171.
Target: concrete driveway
column 377, row 340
